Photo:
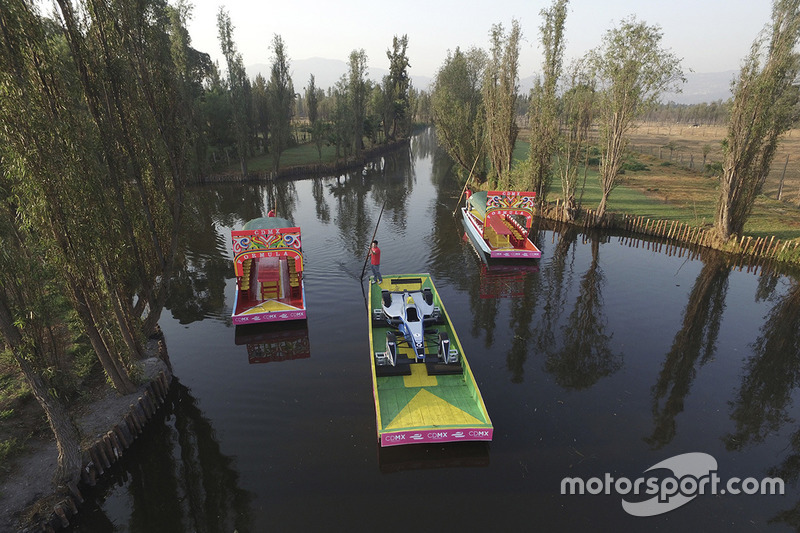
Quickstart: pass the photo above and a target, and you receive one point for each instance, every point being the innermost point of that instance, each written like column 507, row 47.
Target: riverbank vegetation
column 609, row 90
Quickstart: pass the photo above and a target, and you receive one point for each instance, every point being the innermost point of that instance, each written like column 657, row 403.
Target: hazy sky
column 710, row 35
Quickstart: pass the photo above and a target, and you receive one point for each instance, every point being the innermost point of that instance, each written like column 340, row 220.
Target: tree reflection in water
column 585, row 356
column 695, row 341
column 177, row 477
column 771, row 377
column 555, row 281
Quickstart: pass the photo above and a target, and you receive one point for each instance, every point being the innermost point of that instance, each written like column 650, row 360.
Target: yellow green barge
column 423, row 386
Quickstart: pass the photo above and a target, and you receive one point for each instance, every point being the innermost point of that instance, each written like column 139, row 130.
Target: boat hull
column 474, row 229
column 430, row 403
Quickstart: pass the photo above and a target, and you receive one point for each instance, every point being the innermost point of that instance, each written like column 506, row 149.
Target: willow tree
column 280, row 98
column 500, row 88
column 632, row 72
column 765, row 105
column 29, row 323
column 97, row 117
column 457, row 109
column 543, row 108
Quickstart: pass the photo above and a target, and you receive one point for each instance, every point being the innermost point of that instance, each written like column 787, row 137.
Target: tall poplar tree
column 396, row 90
column 765, row 105
column 543, row 107
column 239, row 87
column 500, row 88
column 357, row 92
column 97, row 144
column 280, row 98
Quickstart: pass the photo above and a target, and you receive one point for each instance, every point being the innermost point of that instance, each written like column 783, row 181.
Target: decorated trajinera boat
column 423, row 387
column 499, row 222
column 268, row 261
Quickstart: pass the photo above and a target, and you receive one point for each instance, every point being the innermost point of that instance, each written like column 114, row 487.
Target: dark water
column 613, row 355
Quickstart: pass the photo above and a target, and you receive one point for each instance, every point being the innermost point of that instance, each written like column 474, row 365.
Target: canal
column 606, row 357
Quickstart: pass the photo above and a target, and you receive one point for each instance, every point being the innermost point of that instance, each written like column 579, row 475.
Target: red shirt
column 375, row 254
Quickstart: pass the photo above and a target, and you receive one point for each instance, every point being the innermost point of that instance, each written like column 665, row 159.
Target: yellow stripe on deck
column 419, row 377
column 426, row 409
column 270, row 306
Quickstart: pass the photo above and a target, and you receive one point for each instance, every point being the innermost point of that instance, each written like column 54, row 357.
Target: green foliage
column 713, row 169
column 280, row 102
column 457, row 109
column 543, row 107
column 397, row 107
column 239, row 87
column 632, row 164
column 499, row 90
column 632, row 71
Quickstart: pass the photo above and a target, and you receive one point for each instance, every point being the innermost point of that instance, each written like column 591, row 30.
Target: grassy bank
column 663, row 189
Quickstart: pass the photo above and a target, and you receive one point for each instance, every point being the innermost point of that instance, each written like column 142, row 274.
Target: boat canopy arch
column 267, row 237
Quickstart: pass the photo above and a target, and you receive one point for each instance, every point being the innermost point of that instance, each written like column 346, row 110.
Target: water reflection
column 771, row 376
column 321, row 206
column 175, row 479
column 555, row 281
column 274, row 342
column 693, row 346
column 427, row 456
column 585, row 356
column 197, row 288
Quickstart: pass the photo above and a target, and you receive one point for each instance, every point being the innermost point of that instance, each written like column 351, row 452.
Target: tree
column 313, row 97
column 280, row 95
column 312, row 100
column 97, row 145
column 577, row 115
column 632, row 71
column 765, row 105
column 543, row 110
column 28, row 327
column 500, row 87
column 239, row 87
column 261, row 111
column 357, row 92
column 396, row 89
column 457, row 110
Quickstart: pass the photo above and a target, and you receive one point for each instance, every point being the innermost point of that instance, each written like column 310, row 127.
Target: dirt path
column 26, row 487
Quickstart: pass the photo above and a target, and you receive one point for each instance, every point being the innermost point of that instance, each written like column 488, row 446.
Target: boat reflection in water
column 500, row 280
column 424, row 456
column 277, row 341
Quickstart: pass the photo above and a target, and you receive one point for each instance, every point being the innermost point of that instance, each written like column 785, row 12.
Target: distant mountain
column 326, row 73
column 699, row 87
column 703, row 87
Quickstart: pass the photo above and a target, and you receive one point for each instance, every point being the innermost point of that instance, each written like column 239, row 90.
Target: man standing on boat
column 375, row 262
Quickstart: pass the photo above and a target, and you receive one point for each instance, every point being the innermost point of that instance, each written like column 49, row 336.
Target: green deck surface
column 423, row 401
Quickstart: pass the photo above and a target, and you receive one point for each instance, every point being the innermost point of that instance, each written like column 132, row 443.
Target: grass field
column 669, row 189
